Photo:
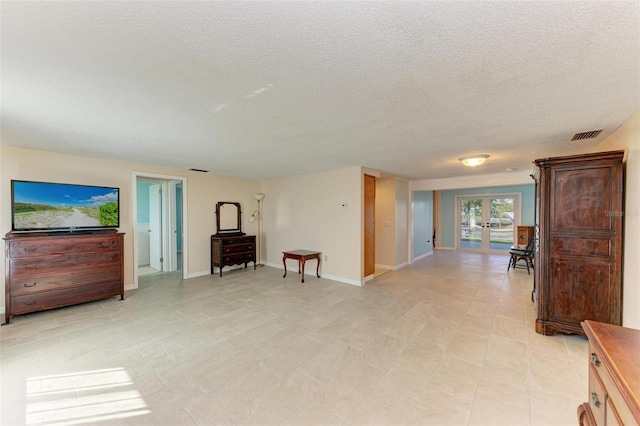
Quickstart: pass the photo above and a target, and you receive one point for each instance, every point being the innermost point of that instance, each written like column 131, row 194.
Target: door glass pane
column 501, row 223
column 471, row 223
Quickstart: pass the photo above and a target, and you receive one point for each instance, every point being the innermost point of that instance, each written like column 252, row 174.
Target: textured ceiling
column 269, row 89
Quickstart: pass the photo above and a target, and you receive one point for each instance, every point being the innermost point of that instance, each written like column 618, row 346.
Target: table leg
column 284, row 262
column 302, row 261
column 318, row 267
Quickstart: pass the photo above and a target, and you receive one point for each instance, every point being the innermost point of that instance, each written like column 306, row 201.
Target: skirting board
column 423, row 256
column 392, row 268
column 312, row 271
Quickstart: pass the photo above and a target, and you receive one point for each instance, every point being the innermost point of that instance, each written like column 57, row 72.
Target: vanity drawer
column 238, row 258
column 239, row 240
column 238, row 248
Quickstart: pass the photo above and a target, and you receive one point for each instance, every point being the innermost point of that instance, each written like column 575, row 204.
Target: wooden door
column 369, row 225
column 155, row 227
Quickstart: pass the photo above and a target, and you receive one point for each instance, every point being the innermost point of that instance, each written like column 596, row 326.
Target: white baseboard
column 392, row 268
column 312, row 272
column 422, row 256
column 400, row 266
column 446, row 248
column 381, row 266
column 202, row 273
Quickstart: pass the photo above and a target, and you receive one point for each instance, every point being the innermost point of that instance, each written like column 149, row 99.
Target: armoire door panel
column 585, row 291
column 570, row 245
column 582, row 199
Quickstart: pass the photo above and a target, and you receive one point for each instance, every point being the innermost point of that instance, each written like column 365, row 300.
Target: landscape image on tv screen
column 44, row 205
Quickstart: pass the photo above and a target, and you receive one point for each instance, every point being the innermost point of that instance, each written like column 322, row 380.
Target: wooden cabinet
column 51, row 271
column 578, row 268
column 232, row 250
column 614, row 376
column 523, row 233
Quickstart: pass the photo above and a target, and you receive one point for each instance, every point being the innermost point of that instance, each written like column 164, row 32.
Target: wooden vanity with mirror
column 229, row 245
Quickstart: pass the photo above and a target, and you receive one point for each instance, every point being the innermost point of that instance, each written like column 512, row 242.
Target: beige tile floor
column 448, row 340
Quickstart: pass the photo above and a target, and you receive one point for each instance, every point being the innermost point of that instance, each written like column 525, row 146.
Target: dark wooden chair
column 526, row 255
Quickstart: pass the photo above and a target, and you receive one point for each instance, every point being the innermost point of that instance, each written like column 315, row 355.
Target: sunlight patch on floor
column 83, row 397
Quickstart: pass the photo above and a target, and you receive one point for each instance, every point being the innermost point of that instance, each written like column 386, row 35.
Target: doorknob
column 148, row 230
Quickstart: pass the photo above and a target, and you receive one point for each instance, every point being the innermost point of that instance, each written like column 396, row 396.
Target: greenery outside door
column 487, row 223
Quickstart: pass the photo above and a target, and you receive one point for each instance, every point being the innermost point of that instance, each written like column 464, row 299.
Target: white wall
column 392, row 223
column 627, row 137
column 305, row 212
column 402, row 223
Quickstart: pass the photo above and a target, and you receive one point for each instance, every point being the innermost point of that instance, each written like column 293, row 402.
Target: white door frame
column 517, row 196
column 185, row 245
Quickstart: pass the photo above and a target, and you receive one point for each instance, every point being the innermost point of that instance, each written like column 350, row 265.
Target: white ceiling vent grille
column 586, row 135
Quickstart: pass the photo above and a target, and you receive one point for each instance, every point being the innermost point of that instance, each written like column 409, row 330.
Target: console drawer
column 597, row 396
column 57, row 298
column 65, row 279
column 28, row 266
column 44, row 246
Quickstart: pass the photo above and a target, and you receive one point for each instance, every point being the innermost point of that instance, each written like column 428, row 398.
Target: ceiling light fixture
column 473, row 160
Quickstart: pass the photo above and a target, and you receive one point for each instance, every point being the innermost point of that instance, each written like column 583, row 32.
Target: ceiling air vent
column 199, row 170
column 586, row 135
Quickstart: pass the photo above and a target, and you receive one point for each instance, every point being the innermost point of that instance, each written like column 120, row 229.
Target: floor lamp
column 258, row 213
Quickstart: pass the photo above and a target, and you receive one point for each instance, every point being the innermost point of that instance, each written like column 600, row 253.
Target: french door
column 487, row 223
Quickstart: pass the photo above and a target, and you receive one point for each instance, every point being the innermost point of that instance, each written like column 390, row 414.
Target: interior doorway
column 159, row 245
column 369, row 225
column 487, row 223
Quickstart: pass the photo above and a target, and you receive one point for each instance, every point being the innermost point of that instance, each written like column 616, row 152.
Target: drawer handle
column 107, row 258
column 30, row 248
column 106, row 290
column 107, row 272
column 30, row 267
column 30, row 285
column 107, row 243
column 595, row 400
column 31, row 303
column 594, row 359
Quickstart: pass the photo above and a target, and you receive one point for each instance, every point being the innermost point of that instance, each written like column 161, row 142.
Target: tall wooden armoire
column 578, row 268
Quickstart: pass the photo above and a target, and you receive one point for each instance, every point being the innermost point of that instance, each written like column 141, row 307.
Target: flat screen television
column 48, row 206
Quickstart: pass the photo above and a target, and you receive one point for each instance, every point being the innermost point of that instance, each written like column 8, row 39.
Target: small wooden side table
column 301, row 256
